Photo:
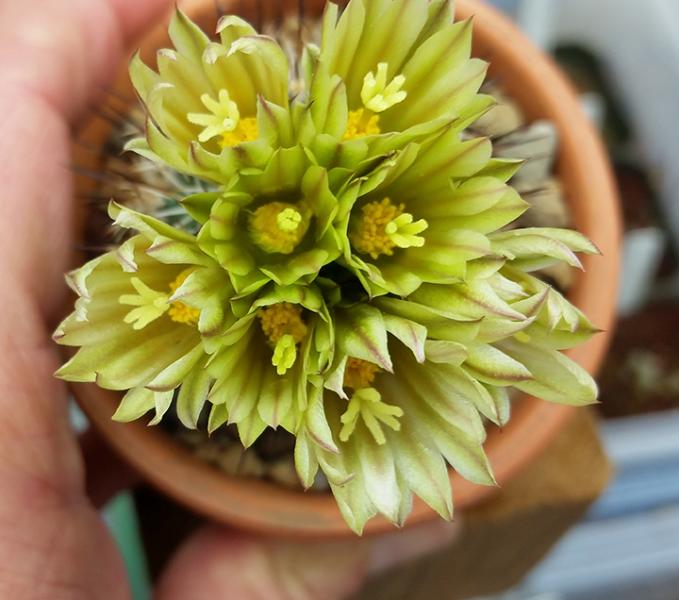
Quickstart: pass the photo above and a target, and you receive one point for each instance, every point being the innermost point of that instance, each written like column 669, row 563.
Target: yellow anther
column 279, row 227
column 282, row 319
column 368, row 234
column 378, row 94
column 383, row 226
column 362, row 122
column 246, row 131
column 359, row 374
column 178, row 311
column 284, row 328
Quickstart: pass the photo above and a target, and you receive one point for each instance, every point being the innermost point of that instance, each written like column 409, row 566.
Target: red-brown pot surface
column 535, row 83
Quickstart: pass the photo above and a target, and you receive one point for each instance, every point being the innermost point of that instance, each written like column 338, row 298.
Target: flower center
column 246, row 131
column 383, row 226
column 362, row 123
column 359, row 374
column 279, row 227
column 223, row 120
column 284, row 328
column 377, row 95
column 151, row 305
column 178, row 311
column 380, row 94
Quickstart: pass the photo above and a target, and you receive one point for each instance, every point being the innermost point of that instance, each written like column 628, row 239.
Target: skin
column 55, row 57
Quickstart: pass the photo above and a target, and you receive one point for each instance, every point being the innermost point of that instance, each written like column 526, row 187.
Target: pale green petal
column 134, row 405
column 531, row 251
column 433, row 386
column 379, row 473
column 473, row 300
column 187, row 37
column 250, row 428
column 317, row 423
column 162, row 401
column 464, row 454
column 275, row 398
column 238, row 387
column 193, row 396
column 409, row 333
column 172, row 376
column 445, row 352
column 200, row 205
column 422, row 467
column 218, row 417
column 306, row 462
column 502, row 405
column 232, row 27
column 490, row 365
column 148, row 226
column 556, row 378
column 361, row 332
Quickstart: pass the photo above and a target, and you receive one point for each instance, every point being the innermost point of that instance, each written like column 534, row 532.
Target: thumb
column 217, row 564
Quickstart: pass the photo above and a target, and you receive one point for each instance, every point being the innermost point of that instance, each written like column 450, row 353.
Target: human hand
column 55, row 56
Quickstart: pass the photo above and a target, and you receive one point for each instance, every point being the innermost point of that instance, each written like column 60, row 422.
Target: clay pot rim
column 267, row 508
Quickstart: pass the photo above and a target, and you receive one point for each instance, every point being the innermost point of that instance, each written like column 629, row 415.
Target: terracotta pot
column 534, row 81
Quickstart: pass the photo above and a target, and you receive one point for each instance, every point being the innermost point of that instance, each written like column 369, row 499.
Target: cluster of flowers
column 353, row 280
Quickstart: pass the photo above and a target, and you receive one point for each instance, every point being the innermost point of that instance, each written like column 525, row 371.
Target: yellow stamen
column 369, row 232
column 383, row 226
column 223, row 121
column 379, row 94
column 178, row 311
column 284, row 328
column 150, row 304
column 362, row 122
column 367, row 405
column 278, row 227
column 359, row 374
column 282, row 319
column 246, row 131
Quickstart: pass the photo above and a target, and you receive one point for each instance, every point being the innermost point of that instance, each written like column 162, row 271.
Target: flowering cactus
column 354, row 278
column 204, row 102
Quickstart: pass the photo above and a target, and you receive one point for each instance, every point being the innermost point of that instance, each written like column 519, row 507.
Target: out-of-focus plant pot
column 542, row 92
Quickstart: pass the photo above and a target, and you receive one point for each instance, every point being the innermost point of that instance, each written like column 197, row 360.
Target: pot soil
column 532, row 81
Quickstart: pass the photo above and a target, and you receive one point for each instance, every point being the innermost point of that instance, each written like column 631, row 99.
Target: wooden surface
column 505, row 537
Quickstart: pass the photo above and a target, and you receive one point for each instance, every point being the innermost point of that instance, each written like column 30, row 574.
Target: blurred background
column 623, row 57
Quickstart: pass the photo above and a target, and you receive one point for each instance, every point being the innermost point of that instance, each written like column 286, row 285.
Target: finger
column 52, row 543
column 136, row 17
column 53, row 54
column 216, row 564
column 62, row 51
